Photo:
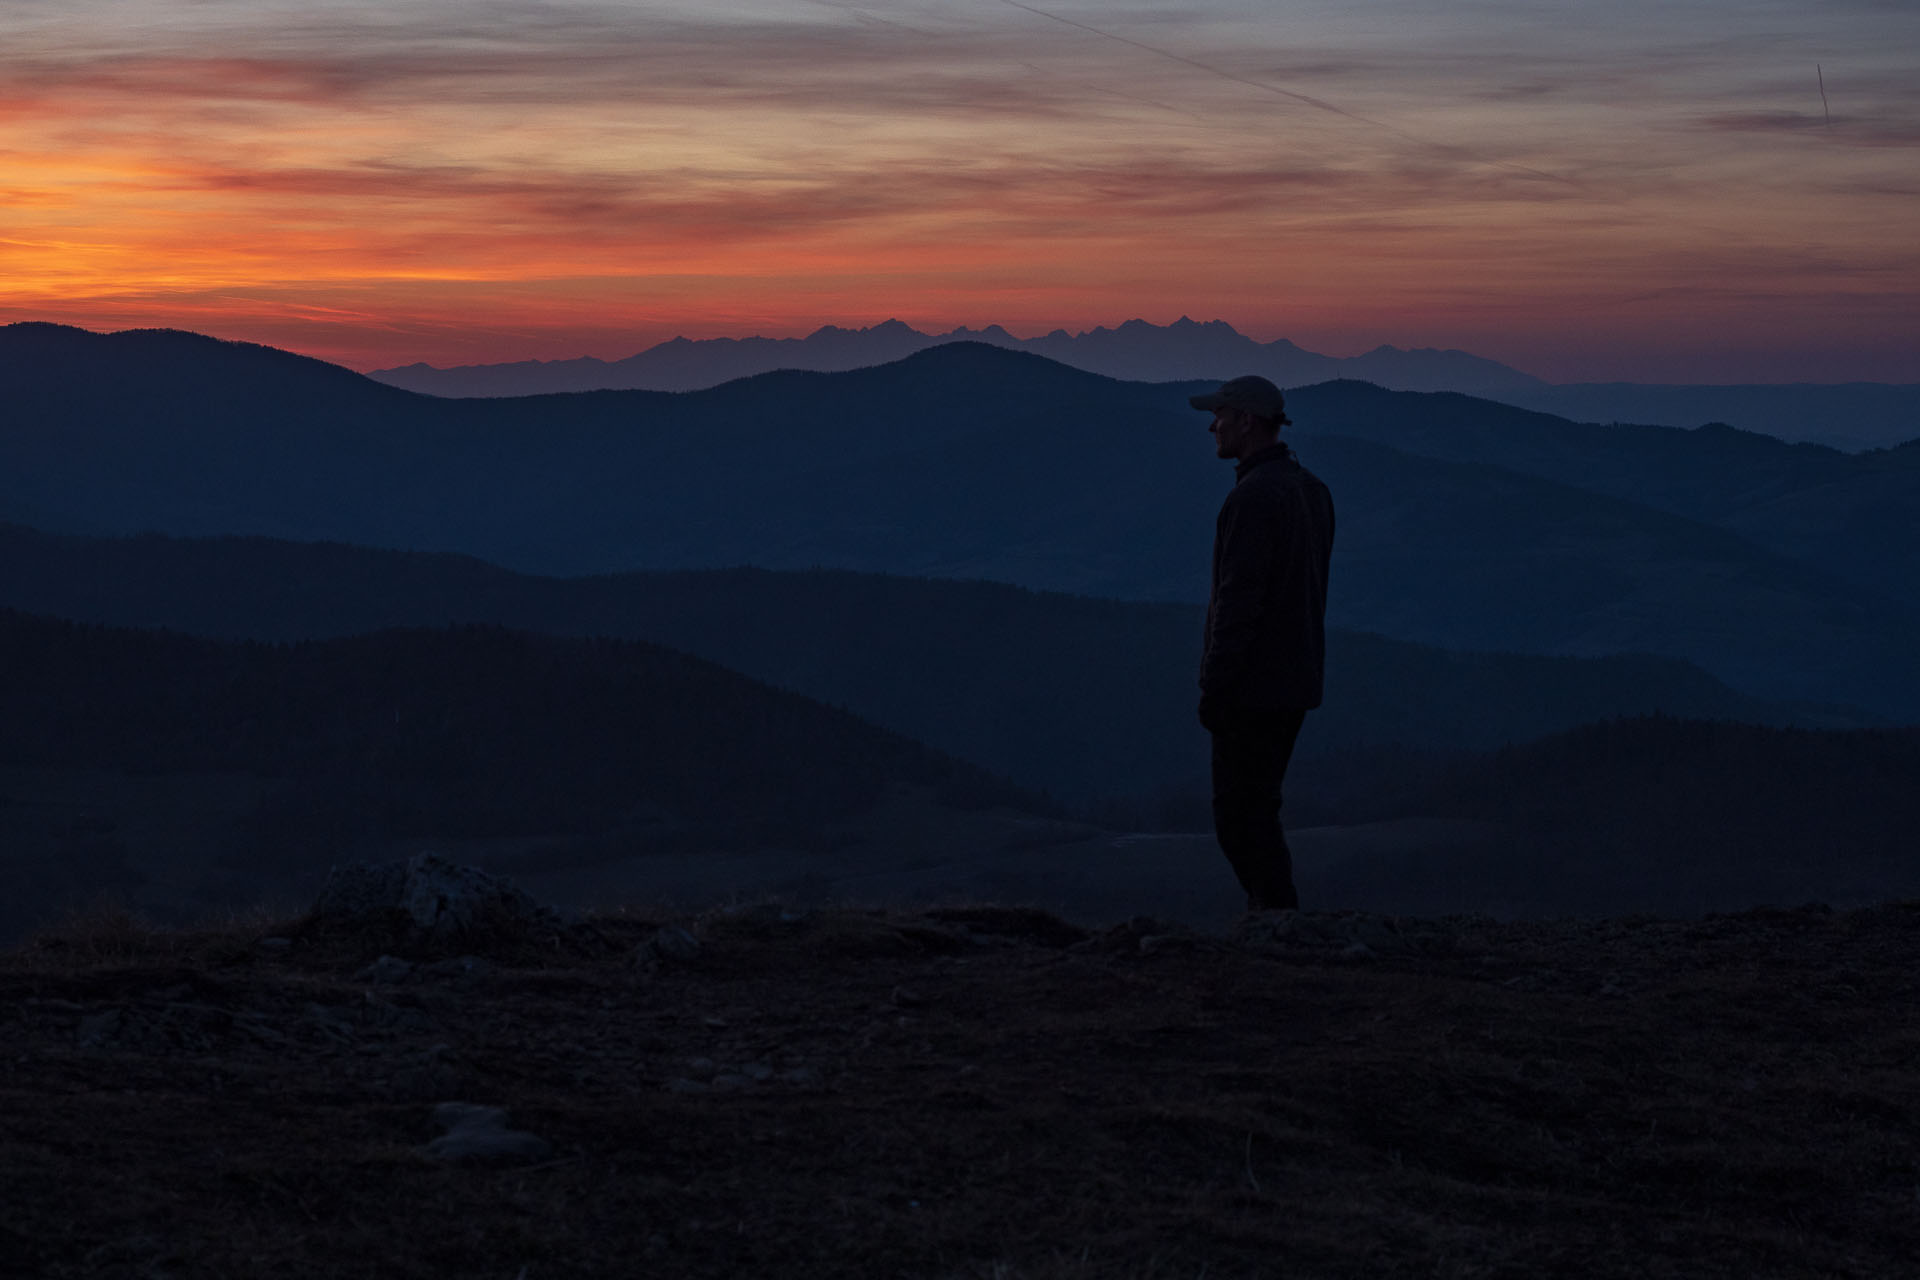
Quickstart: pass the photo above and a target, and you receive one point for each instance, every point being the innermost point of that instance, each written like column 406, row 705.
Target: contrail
column 1319, row 104
column 1823, row 95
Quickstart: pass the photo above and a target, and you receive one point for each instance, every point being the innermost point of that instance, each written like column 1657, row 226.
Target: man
column 1262, row 667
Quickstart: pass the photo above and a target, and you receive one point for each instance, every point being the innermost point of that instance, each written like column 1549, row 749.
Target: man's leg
column 1250, row 757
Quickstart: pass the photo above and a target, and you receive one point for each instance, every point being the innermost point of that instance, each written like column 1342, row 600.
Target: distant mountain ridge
column 1136, row 350
column 1853, row 416
column 1850, row 416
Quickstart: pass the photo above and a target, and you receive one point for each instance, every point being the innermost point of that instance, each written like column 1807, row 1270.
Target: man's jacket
column 1266, row 614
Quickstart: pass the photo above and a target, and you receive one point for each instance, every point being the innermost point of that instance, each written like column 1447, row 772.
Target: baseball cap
column 1252, row 392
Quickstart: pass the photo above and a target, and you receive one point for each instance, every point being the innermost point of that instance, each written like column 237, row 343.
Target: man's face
column 1229, row 428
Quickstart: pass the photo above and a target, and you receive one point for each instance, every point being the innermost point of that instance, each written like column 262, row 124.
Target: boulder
column 439, row 898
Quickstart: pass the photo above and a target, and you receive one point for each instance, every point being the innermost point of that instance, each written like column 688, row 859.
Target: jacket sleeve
column 1246, row 544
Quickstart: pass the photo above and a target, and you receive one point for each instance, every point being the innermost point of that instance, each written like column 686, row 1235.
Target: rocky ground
column 973, row 1091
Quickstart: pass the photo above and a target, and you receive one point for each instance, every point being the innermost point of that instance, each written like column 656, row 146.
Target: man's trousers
column 1251, row 750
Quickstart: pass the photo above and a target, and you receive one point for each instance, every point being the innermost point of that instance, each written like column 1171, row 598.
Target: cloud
column 1430, row 153
column 1845, row 130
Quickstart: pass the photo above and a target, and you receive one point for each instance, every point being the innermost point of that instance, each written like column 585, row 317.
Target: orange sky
column 1653, row 192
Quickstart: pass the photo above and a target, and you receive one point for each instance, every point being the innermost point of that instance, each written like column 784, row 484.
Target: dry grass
column 972, row 1092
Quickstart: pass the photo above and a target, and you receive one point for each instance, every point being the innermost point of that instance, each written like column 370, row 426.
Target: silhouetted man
column 1265, row 656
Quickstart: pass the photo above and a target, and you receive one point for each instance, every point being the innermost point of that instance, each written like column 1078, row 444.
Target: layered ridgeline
column 1089, row 700
column 183, row 773
column 1859, row 415
column 1462, row 523
column 183, row 776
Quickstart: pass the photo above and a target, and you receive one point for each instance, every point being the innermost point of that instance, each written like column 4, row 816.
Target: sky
column 1649, row 191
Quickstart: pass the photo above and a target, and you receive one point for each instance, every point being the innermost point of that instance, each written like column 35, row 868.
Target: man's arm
column 1248, row 538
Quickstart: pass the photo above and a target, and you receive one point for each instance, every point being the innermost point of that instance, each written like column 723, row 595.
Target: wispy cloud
column 1842, row 130
column 1090, row 152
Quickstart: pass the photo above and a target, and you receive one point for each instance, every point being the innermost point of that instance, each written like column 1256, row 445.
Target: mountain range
column 1850, row 416
column 1183, row 350
column 1088, row 700
column 1781, row 569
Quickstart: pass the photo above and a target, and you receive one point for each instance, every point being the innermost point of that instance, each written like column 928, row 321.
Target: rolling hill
column 191, row 773
column 967, row 461
column 1091, row 700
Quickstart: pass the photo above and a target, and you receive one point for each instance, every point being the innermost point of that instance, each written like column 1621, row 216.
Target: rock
column 761, row 918
column 481, row 1133
column 1010, row 926
column 385, row 969
column 275, row 945
column 1378, row 933
column 1125, row 937
column 729, row 1082
column 671, row 943
column 360, row 890
column 1357, row 934
column 97, row 1029
column 440, row 899
column 459, row 967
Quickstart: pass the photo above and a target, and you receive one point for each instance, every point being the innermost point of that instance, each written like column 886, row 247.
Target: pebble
column 459, row 967
column 481, row 1133
column 386, row 969
column 671, row 943
column 97, row 1028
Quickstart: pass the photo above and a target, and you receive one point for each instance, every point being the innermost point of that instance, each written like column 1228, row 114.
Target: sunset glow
column 1650, row 191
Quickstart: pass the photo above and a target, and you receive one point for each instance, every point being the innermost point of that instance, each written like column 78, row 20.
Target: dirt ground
column 970, row 1091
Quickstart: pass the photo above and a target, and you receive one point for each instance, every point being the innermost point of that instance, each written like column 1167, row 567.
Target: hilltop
column 971, row 1091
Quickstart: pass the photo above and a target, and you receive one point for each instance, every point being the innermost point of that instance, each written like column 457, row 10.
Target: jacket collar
column 1272, row 453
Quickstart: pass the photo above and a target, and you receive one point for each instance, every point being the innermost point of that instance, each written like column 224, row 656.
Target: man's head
column 1248, row 413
